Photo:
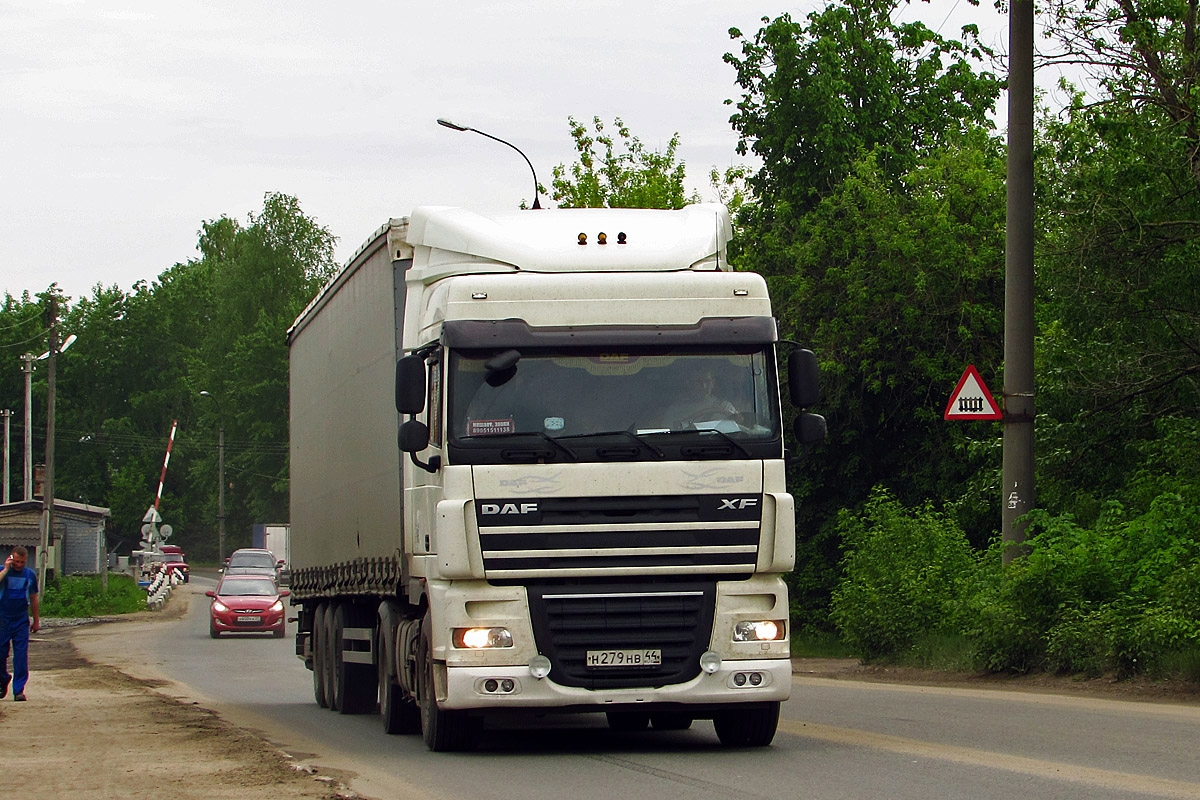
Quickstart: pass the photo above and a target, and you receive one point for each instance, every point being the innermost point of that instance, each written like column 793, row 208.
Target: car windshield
column 247, row 587
column 566, row 402
column 252, row 560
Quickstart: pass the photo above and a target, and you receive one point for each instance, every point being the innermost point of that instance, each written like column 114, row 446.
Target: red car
column 174, row 559
column 245, row 603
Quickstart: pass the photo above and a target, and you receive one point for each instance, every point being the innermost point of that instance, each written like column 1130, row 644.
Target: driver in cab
column 700, row 403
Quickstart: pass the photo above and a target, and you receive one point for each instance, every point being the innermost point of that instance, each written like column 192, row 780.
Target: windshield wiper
column 537, row 434
column 703, row 431
column 626, row 434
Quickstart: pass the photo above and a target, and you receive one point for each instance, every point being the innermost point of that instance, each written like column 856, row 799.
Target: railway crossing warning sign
column 971, row 398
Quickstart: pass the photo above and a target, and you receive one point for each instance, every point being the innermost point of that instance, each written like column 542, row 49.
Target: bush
column 906, row 574
column 1122, row 595
column 82, row 596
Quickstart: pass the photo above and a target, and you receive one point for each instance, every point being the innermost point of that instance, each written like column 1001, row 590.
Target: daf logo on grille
column 508, row 508
column 736, row 503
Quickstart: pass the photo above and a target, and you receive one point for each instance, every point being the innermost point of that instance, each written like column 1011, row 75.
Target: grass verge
column 83, row 596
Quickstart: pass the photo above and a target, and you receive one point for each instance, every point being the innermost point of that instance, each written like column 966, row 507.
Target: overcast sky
column 126, row 125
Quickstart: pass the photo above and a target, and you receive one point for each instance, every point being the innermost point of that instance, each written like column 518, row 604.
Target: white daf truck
column 537, row 465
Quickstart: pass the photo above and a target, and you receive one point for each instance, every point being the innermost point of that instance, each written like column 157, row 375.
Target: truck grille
column 570, row 621
column 612, row 536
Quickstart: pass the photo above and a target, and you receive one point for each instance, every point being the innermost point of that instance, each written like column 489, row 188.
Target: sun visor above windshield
column 468, row 334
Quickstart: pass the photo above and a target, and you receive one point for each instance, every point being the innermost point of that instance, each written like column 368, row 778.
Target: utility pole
column 48, row 491
column 220, row 474
column 7, row 422
column 221, row 492
column 28, row 359
column 1017, row 481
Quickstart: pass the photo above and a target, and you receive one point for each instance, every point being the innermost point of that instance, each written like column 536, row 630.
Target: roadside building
column 77, row 544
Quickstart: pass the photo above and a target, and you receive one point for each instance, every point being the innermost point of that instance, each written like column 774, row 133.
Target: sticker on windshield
column 489, row 427
column 554, row 423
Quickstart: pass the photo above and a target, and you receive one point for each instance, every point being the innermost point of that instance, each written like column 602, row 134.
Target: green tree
column 621, row 172
column 816, row 96
column 1118, row 292
column 217, row 323
column 896, row 292
column 878, row 219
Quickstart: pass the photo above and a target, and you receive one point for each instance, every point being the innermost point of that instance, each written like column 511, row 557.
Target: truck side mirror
column 809, row 428
column 804, row 378
column 410, row 385
column 414, row 436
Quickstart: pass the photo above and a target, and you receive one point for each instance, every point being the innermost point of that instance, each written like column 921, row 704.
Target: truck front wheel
column 747, row 727
column 442, row 730
column 399, row 711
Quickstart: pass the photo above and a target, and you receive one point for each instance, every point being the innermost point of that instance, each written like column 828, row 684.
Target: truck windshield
column 642, row 404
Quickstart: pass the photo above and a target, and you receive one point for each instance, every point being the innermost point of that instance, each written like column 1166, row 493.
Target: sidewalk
column 89, row 732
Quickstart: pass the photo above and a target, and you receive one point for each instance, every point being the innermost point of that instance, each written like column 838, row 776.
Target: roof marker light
column 601, row 238
column 583, row 238
column 621, row 238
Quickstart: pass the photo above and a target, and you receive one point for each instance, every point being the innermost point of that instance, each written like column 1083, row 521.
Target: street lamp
column 445, row 123
column 220, row 476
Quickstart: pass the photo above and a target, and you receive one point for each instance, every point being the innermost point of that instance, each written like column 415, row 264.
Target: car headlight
column 219, row 607
column 766, row 630
column 276, row 606
column 479, row 638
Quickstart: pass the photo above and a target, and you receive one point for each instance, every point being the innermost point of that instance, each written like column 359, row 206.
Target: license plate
column 624, row 658
column 249, row 619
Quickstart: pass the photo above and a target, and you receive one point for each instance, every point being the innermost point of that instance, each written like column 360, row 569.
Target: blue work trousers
column 15, row 631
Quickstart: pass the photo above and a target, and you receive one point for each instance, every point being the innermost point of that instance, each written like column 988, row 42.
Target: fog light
column 758, row 631
column 539, row 667
column 490, row 685
column 507, row 685
column 740, row 679
column 479, row 638
column 755, row 679
column 710, row 662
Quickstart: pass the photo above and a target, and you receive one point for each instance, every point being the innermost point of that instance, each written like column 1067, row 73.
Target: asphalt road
column 837, row 739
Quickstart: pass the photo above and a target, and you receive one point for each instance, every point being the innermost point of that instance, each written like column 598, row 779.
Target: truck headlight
column 759, row 630
column 479, row 638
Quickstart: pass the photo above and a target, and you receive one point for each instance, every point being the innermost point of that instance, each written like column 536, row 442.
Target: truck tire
column 315, row 643
column 399, row 711
column 443, row 731
column 328, row 659
column 628, row 721
column 354, row 685
column 747, row 727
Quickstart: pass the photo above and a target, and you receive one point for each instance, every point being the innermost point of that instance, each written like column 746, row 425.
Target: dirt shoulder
column 90, row 732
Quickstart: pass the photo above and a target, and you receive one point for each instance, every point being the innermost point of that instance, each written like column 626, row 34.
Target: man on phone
column 18, row 596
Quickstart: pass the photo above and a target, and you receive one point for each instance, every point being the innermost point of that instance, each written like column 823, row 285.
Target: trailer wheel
column 747, row 727
column 353, row 684
column 442, row 730
column 316, row 646
column 330, row 657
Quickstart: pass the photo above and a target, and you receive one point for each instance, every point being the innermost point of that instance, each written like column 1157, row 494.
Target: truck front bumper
column 742, row 681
